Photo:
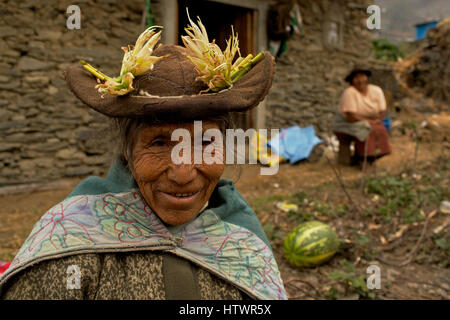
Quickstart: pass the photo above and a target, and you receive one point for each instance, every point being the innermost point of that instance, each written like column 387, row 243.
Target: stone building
column 310, row 75
column 47, row 134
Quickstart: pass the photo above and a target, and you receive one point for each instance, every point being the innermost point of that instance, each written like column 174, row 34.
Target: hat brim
column 245, row 94
column 349, row 78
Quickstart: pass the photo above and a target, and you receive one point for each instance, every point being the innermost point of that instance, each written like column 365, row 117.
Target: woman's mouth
column 181, row 200
column 182, row 195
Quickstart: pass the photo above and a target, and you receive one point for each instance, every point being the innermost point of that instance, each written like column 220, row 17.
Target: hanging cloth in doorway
column 285, row 20
column 149, row 16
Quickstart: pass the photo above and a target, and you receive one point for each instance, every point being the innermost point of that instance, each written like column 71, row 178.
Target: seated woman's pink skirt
column 377, row 142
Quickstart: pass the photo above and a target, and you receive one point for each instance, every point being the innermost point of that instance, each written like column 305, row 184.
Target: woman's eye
column 157, row 143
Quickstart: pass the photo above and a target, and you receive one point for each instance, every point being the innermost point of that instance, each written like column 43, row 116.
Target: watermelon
column 310, row 244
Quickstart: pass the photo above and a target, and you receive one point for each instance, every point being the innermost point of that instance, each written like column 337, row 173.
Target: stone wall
column 46, row 133
column 309, row 78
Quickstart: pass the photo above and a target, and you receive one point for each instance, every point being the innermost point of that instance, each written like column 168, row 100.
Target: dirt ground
column 407, row 272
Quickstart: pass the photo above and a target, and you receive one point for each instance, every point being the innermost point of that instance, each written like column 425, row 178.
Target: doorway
column 218, row 18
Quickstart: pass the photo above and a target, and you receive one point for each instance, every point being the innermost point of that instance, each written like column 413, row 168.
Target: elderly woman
column 360, row 119
column 153, row 228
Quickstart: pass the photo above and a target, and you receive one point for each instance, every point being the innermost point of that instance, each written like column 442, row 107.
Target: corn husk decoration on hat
column 214, row 66
column 137, row 60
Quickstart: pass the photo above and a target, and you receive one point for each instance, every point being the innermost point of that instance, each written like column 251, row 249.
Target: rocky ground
column 381, row 222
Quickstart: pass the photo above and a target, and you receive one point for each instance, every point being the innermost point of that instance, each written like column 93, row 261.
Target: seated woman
column 360, row 119
column 153, row 228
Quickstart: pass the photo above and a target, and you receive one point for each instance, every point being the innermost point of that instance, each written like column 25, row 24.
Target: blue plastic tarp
column 294, row 143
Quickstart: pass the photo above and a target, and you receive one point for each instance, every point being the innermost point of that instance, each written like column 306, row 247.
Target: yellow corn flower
column 137, row 60
column 214, row 66
column 118, row 86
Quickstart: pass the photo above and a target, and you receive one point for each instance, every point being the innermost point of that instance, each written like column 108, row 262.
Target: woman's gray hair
column 127, row 130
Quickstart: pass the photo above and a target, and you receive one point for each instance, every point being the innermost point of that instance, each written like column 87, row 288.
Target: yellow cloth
column 264, row 155
column 367, row 105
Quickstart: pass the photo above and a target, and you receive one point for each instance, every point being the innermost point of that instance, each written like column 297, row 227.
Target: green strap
column 180, row 279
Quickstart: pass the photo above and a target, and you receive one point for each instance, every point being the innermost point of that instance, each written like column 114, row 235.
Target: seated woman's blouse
column 365, row 106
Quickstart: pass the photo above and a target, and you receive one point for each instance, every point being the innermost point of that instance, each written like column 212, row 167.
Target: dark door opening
column 218, row 19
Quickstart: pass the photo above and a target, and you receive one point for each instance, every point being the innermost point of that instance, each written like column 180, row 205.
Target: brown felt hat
column 357, row 69
column 172, row 91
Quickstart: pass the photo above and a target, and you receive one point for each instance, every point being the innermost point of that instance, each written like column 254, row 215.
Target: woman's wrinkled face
column 176, row 193
column 360, row 82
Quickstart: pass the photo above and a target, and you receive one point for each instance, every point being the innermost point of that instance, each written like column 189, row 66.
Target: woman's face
column 360, row 82
column 176, row 193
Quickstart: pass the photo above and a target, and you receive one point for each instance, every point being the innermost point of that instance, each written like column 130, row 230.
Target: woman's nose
column 182, row 174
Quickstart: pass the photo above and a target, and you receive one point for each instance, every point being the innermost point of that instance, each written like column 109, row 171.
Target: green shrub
column 353, row 282
column 401, row 196
column 386, row 50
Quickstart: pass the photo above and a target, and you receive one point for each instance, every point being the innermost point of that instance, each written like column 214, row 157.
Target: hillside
column 399, row 16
